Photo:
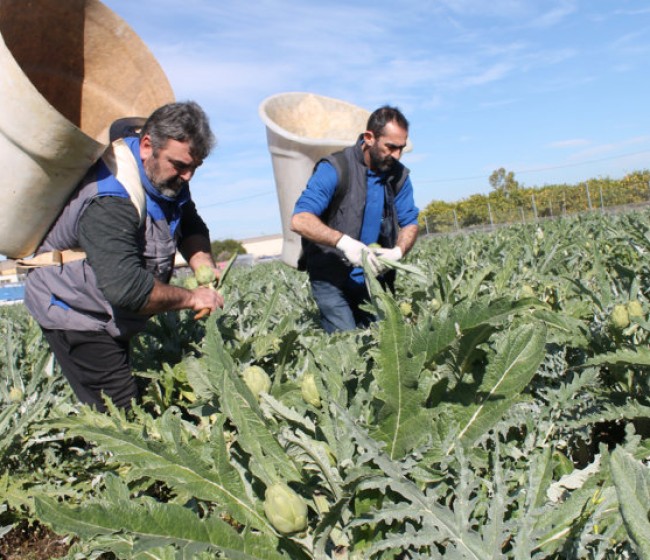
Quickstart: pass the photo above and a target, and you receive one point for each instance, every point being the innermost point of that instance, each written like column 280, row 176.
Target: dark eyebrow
column 180, row 165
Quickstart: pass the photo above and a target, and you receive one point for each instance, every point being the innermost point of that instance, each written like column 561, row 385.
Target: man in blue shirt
column 355, row 198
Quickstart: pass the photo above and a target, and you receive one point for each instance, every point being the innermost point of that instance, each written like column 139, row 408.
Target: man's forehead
column 395, row 137
column 177, row 148
column 171, row 144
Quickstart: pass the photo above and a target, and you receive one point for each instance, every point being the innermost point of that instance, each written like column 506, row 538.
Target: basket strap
column 50, row 258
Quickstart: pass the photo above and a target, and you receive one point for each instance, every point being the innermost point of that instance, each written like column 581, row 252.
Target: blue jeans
column 339, row 305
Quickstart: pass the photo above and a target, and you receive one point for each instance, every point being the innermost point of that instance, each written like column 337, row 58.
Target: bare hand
column 205, row 300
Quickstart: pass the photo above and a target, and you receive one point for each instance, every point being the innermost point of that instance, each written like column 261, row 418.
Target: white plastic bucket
column 301, row 129
column 68, row 69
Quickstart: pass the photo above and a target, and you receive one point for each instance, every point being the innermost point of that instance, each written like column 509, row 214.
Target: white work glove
column 354, row 251
column 393, row 254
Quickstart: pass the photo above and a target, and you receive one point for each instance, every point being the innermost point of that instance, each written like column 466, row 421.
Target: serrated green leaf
column 408, row 268
column 402, row 420
column 563, row 329
column 171, row 461
column 438, row 522
column 640, row 357
column 441, row 331
column 632, row 483
column 518, row 355
column 270, row 462
column 152, row 524
column 539, row 476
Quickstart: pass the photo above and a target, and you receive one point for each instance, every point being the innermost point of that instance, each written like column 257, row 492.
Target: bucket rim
column 272, row 125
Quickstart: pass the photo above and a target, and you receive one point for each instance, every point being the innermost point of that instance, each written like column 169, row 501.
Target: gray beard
column 168, row 192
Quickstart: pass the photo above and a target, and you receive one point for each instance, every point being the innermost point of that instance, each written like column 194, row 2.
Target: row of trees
column 223, row 249
column 509, row 201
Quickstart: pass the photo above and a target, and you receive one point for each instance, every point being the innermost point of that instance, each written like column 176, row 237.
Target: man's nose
column 186, row 175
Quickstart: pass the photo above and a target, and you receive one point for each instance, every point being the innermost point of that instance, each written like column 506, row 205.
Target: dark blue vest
column 346, row 210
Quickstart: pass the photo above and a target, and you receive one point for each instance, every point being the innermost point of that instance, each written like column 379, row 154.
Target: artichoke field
column 498, row 408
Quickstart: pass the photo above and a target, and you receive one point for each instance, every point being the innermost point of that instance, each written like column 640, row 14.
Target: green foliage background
column 223, row 249
column 510, row 202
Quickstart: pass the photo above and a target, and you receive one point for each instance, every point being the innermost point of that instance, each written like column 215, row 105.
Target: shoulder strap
column 340, row 163
column 50, row 258
column 122, row 164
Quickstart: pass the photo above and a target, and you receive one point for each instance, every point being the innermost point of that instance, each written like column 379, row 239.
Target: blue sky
column 555, row 90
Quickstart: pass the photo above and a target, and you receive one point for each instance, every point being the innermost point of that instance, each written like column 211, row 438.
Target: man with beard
column 120, row 231
column 355, row 198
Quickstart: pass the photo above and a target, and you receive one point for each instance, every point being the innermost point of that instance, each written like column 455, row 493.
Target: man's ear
column 146, row 147
column 368, row 138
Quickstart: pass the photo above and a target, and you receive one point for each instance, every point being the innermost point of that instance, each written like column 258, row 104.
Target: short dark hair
column 184, row 122
column 382, row 116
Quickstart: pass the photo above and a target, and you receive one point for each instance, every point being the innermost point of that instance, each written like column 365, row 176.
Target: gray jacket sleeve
column 109, row 234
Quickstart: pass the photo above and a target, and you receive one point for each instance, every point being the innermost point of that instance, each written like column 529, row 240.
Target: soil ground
column 32, row 542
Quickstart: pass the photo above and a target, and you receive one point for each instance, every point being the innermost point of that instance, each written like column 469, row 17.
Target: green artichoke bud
column 257, row 380
column 309, row 390
column 191, row 283
column 15, row 394
column 620, row 317
column 406, row 308
column 435, row 304
column 527, row 291
column 205, row 275
column 634, row 309
column 285, row 509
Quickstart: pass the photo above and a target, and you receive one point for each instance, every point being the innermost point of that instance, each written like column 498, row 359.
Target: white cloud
column 491, row 74
column 554, row 16
column 610, row 149
column 495, row 8
column 572, row 143
column 533, row 13
column 633, row 12
column 634, row 44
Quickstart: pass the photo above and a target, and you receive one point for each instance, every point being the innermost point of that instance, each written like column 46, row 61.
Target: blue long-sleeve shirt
column 319, row 192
